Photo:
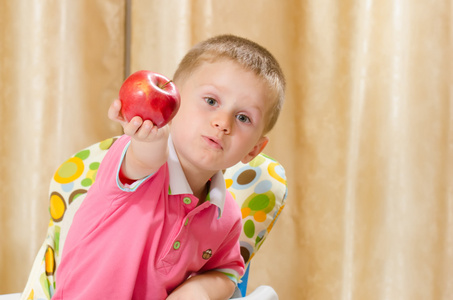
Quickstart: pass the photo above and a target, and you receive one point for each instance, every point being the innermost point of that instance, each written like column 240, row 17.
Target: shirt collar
column 179, row 184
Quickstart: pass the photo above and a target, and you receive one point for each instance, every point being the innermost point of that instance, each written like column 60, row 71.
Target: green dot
column 259, row 202
column 86, row 182
column 83, row 154
column 105, row 144
column 257, row 161
column 258, row 239
column 94, row 166
column 249, row 228
column 67, row 170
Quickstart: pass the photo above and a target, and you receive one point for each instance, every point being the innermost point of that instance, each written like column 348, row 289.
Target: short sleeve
column 131, row 185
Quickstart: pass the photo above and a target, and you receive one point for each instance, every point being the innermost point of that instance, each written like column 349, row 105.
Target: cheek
column 249, row 141
column 186, row 118
column 188, row 107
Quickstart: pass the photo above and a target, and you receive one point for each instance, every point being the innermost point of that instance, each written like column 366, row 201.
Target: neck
column 199, row 183
column 203, row 192
column 198, row 179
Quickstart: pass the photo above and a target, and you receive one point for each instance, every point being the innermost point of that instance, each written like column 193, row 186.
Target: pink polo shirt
column 144, row 240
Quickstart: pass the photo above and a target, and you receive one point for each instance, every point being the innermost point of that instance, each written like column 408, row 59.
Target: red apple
column 150, row 96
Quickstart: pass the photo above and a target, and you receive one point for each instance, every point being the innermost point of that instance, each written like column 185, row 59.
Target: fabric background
column 366, row 134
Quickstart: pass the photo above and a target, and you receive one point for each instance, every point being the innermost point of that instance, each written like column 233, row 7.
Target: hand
column 114, row 112
column 144, row 131
column 145, row 139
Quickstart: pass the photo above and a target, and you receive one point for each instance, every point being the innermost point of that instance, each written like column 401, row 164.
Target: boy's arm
column 211, row 285
column 148, row 150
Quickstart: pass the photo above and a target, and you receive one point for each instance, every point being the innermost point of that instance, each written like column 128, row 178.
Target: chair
column 259, row 187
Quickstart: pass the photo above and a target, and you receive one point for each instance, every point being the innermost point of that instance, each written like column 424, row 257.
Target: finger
column 114, row 112
column 146, row 129
column 133, row 126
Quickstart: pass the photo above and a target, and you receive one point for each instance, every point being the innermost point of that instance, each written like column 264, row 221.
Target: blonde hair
column 249, row 55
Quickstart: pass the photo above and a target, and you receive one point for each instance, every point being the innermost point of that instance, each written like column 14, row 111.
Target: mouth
column 213, row 142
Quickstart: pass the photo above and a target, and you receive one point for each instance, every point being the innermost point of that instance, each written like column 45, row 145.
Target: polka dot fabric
column 68, row 187
column 259, row 188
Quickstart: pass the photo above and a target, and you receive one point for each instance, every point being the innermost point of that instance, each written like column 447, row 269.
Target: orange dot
column 245, row 212
column 260, row 216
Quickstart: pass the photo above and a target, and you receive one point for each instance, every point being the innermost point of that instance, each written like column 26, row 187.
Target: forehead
column 222, row 69
column 227, row 72
column 229, row 75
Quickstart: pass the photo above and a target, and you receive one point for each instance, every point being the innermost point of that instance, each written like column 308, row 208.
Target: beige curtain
column 366, row 134
column 61, row 64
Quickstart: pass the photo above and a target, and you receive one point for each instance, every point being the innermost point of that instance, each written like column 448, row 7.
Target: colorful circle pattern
column 75, row 176
column 262, row 185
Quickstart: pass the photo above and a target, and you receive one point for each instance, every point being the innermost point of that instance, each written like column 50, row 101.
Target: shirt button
column 176, row 245
column 186, row 222
column 187, row 200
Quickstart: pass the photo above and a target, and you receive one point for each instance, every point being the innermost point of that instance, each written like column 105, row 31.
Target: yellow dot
column 57, row 206
column 69, row 171
column 271, row 170
column 228, row 182
column 50, row 261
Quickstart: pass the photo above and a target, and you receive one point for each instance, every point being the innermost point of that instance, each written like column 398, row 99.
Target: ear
column 260, row 145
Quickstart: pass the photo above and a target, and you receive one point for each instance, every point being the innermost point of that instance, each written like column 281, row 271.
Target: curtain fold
column 366, row 133
column 61, row 65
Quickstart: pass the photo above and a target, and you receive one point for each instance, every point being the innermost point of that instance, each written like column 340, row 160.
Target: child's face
column 221, row 120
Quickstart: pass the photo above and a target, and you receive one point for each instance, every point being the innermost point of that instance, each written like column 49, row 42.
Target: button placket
column 182, row 230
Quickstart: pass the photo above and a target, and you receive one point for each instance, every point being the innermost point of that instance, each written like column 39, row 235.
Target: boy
column 158, row 222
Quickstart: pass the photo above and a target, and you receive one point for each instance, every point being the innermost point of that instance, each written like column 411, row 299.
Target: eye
column 210, row 101
column 243, row 118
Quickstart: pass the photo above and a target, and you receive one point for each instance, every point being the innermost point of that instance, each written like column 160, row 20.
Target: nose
column 222, row 122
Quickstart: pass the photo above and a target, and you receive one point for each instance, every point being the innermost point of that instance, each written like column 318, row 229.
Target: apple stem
column 162, row 87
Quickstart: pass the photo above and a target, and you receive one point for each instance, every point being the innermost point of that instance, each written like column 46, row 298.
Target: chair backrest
column 258, row 187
